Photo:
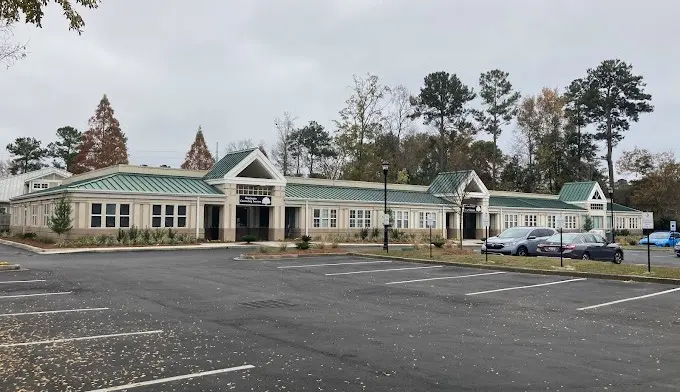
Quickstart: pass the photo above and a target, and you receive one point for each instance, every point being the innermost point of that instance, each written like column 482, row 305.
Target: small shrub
column 320, row 245
column 122, row 236
column 171, row 234
column 157, row 236
column 264, row 249
column 438, row 242
column 449, row 245
column 302, row 245
column 396, row 235
column 334, row 245
column 363, row 234
column 376, row 233
column 248, row 238
column 283, row 247
column 45, row 240
column 29, row 235
column 622, row 233
column 146, row 236
column 306, row 238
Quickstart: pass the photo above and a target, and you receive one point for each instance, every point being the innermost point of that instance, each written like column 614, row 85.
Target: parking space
column 190, row 321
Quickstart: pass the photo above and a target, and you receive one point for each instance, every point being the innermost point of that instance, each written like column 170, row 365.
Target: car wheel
column 667, row 245
column 618, row 257
column 522, row 251
column 586, row 256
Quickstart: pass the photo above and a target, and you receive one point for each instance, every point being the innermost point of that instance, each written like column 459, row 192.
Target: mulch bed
column 42, row 245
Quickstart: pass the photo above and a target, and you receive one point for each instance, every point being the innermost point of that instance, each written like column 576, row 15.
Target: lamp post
column 611, row 209
column 386, row 222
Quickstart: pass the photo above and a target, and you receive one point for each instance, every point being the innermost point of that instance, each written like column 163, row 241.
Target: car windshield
column 514, row 233
column 660, row 235
column 567, row 238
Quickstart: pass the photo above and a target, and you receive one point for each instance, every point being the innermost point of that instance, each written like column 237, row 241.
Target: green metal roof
column 326, row 192
column 531, row 202
column 621, row 208
column 576, row 191
column 448, row 182
column 227, row 163
column 140, row 183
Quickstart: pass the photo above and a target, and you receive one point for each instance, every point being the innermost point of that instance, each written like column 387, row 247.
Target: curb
column 57, row 251
column 291, row 256
column 19, row 245
column 579, row 274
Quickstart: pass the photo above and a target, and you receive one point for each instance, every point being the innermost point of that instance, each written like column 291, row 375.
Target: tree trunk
column 442, row 145
column 460, row 218
column 493, row 162
column 610, row 148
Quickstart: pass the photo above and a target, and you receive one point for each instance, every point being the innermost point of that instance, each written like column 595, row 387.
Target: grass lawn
column 644, row 248
column 544, row 263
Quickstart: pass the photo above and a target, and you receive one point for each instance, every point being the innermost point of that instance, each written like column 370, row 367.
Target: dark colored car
column 584, row 246
column 677, row 249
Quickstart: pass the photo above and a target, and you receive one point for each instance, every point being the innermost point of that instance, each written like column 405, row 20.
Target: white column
column 198, row 215
column 307, row 218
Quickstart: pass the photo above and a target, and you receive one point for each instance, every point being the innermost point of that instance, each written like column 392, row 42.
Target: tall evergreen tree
column 443, row 102
column 198, row 157
column 26, row 155
column 104, row 144
column 316, row 143
column 66, row 148
column 615, row 97
column 60, row 221
column 500, row 106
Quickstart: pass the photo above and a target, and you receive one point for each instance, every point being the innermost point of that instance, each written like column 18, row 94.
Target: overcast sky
column 233, row 66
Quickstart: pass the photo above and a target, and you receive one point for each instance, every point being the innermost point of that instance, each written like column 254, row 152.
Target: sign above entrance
column 254, row 200
column 471, row 208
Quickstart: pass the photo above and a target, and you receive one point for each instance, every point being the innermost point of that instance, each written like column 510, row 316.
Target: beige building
column 244, row 193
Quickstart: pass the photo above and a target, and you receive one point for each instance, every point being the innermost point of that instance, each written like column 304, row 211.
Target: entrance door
column 211, row 219
column 252, row 220
column 469, row 225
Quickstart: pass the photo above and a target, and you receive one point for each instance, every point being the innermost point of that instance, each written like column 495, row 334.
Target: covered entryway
column 292, row 220
column 211, row 222
column 252, row 221
column 469, row 225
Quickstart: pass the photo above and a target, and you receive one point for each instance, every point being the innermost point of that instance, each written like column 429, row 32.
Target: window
column 124, row 215
column 597, row 196
column 46, row 214
column 530, row 220
column 401, row 219
column 3, row 210
column 34, row 215
column 570, row 222
column 620, row 222
column 598, row 222
column 156, row 215
column 181, row 216
column 110, row 215
column 423, row 217
column 633, row 223
column 510, row 221
column 359, row 218
column 325, row 217
column 256, row 190
column 597, row 206
column 552, row 221
column 40, row 185
column 169, row 216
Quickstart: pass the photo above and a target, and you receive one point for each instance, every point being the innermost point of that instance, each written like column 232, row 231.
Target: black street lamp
column 611, row 208
column 386, row 222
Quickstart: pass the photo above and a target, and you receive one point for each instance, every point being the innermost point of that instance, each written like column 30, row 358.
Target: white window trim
column 34, row 215
column 570, row 221
column 528, row 222
column 551, row 221
column 321, row 218
column 366, row 218
column 401, row 217
column 512, row 222
column 163, row 215
column 103, row 216
column 423, row 218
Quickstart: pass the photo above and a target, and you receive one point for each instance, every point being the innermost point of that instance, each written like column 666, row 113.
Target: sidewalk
column 203, row 246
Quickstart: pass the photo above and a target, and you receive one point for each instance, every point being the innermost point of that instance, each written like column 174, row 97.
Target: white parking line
column 328, row 264
column 382, row 270
column 53, row 312
column 447, row 277
column 80, row 338
column 629, row 299
column 35, row 295
column 169, row 379
column 23, row 281
column 526, row 287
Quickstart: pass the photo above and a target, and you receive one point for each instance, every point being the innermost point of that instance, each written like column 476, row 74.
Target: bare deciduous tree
column 281, row 151
column 10, row 51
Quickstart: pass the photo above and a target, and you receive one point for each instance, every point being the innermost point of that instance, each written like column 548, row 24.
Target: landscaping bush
column 29, row 235
column 334, row 245
column 320, row 245
column 146, row 236
column 302, row 245
column 632, row 241
column 376, row 233
column 363, row 233
column 283, row 247
column 306, row 238
column 438, row 242
column 622, row 233
column 264, row 249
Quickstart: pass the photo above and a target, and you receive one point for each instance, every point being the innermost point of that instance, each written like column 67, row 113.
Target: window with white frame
column 423, row 217
column 34, row 215
column 169, row 220
column 570, row 222
column 510, row 220
column 256, row 190
column 401, row 219
column 96, row 215
column 156, row 215
column 46, row 213
column 530, row 220
column 110, row 220
column 181, row 216
column 40, row 185
column 124, row 215
column 359, row 218
column 598, row 222
column 597, row 206
column 552, row 221
column 325, row 217
column 109, row 215
column 633, row 223
column 168, row 215
column 620, row 222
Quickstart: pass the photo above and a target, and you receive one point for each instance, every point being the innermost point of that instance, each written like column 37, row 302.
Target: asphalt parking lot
column 202, row 321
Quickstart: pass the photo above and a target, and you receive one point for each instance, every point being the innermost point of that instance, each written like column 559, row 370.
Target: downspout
column 443, row 220
column 198, row 203
column 307, row 218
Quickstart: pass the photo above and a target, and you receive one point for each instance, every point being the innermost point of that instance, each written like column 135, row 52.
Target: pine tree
column 27, row 155
column 60, row 221
column 104, row 144
column 199, row 156
column 65, row 150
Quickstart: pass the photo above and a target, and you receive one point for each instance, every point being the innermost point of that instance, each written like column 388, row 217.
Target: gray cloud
column 232, row 66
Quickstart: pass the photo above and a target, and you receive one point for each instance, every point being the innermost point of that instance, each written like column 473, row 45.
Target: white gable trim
column 597, row 190
column 472, row 177
column 256, row 155
column 478, row 181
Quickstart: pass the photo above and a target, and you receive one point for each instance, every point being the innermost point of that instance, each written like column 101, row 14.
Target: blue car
column 662, row 238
